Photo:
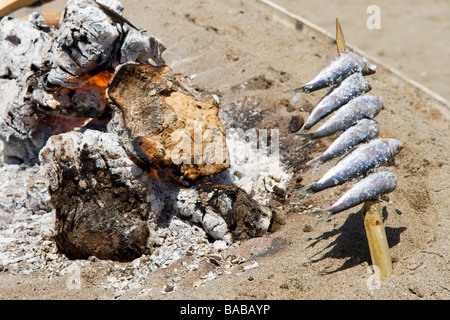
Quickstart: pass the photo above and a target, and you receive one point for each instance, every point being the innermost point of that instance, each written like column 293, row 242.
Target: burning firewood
column 63, row 72
column 107, row 207
column 93, row 37
column 166, row 122
column 113, row 191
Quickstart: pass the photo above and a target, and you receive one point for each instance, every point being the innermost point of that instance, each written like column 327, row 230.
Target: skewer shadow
column 351, row 242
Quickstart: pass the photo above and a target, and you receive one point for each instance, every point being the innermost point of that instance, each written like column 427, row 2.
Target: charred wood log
column 93, row 37
column 225, row 211
column 244, row 217
column 101, row 199
column 165, row 121
column 22, row 47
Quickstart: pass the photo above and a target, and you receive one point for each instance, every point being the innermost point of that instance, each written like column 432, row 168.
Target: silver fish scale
column 357, row 163
column 351, row 87
column 366, row 106
column 363, row 130
column 346, row 64
column 369, row 188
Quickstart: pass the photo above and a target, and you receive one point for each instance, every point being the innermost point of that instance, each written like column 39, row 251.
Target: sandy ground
column 246, row 52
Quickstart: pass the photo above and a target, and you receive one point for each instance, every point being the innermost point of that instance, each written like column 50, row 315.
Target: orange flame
column 101, row 80
column 152, row 173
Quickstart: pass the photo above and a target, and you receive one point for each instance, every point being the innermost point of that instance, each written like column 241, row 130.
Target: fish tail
column 317, row 166
column 317, row 163
column 306, row 137
column 298, row 93
column 323, row 214
column 305, row 191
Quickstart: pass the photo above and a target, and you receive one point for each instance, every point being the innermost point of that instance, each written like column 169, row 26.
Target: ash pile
column 127, row 159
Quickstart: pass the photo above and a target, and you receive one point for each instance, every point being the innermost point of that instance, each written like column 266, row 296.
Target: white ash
column 26, row 219
column 186, row 204
column 253, row 169
column 255, row 163
column 23, row 48
column 174, row 241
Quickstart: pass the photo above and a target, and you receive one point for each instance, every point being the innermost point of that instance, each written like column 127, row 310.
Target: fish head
column 395, row 145
column 389, row 176
column 394, row 177
column 391, row 181
column 368, row 67
column 368, row 86
column 379, row 103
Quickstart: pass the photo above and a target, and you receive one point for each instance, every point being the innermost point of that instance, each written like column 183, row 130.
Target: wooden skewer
column 376, row 237
column 51, row 18
column 8, row 6
column 340, row 40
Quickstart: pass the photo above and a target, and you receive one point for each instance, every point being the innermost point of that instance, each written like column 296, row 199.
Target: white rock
column 220, row 245
column 252, row 266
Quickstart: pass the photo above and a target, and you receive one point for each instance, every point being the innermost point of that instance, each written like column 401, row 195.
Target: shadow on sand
column 351, row 242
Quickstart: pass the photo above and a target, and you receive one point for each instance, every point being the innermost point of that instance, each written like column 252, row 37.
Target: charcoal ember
column 93, row 37
column 88, row 101
column 24, row 130
column 166, row 122
column 189, row 206
column 244, row 217
column 225, row 212
column 101, row 199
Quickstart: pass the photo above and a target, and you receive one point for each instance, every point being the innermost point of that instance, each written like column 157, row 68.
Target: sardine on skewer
column 363, row 130
column 366, row 106
column 359, row 162
column 351, row 87
column 345, row 65
column 369, row 188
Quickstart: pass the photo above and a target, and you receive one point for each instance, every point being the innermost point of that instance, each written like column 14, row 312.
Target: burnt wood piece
column 245, row 217
column 166, row 122
column 92, row 38
column 100, row 198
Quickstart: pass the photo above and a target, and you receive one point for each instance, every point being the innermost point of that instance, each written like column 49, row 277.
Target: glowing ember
column 100, row 82
column 52, row 124
column 152, row 173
